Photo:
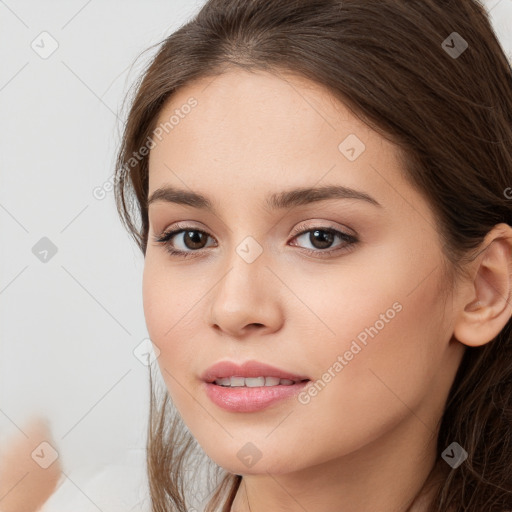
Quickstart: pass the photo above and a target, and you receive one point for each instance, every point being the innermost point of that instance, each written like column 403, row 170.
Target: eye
column 189, row 237
column 322, row 237
column 193, row 240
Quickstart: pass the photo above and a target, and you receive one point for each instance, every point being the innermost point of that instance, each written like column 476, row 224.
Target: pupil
column 325, row 240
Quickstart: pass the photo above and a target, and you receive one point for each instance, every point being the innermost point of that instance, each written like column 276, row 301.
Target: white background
column 69, row 326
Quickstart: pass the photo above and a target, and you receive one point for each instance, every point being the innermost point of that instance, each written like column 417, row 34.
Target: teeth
column 253, row 382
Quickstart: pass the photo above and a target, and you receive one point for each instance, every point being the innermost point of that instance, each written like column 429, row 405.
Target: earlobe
column 489, row 307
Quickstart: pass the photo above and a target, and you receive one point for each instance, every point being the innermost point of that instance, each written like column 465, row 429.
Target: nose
column 246, row 299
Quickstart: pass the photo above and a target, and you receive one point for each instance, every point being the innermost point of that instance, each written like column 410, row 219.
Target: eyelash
column 166, row 237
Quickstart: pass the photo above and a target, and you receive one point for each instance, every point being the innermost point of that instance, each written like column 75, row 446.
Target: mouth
column 250, row 386
column 253, row 397
column 249, row 374
column 254, row 382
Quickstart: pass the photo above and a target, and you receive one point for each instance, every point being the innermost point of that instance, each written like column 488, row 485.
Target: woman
column 321, row 191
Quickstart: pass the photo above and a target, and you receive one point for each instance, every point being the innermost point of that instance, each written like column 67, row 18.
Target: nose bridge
column 245, row 295
column 246, row 268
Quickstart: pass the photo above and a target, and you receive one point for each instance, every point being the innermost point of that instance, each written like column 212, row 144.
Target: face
column 345, row 291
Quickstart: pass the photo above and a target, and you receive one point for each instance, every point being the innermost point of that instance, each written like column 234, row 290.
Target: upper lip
column 224, row 369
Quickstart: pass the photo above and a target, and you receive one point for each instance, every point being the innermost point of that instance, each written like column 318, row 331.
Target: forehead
column 251, row 131
column 245, row 110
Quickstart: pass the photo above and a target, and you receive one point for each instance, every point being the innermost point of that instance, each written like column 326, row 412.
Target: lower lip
column 245, row 399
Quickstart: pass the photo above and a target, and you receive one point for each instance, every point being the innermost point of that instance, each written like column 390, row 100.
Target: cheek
column 155, row 301
column 387, row 347
column 171, row 311
column 168, row 298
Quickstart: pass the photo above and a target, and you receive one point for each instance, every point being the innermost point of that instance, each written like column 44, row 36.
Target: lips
column 249, row 369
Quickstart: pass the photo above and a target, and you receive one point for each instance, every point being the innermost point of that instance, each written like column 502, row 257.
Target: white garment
column 117, row 487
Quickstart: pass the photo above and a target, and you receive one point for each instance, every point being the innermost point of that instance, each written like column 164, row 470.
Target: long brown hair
column 399, row 67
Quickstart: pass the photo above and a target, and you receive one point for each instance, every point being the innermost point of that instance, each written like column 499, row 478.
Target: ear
column 486, row 303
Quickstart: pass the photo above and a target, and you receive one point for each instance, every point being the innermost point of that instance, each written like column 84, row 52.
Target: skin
column 366, row 441
column 25, row 485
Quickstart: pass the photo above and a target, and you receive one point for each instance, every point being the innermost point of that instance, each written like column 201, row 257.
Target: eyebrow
column 277, row 201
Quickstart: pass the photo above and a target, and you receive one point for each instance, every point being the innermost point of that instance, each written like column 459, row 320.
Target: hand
column 24, row 484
